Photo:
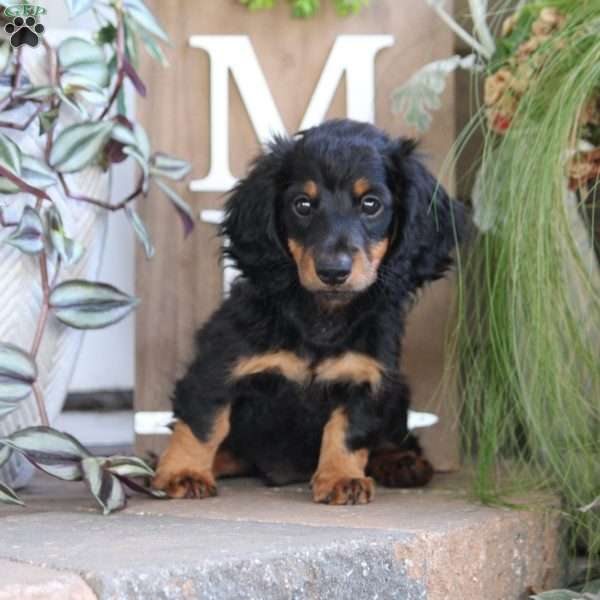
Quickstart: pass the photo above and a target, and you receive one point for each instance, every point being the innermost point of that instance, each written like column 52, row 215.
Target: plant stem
column 37, row 340
column 39, row 400
column 120, row 69
column 100, row 203
column 41, row 325
column 22, row 126
column 16, row 82
column 23, row 186
column 54, row 76
column 18, row 70
column 460, row 32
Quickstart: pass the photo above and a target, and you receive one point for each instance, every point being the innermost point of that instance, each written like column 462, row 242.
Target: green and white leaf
column 88, row 305
column 138, row 11
column 8, row 496
column 70, row 251
column 5, row 452
column 36, row 173
column 79, row 145
column 79, row 57
column 105, row 487
column 154, row 49
column 123, row 134
column 36, row 92
column 48, row 119
column 84, row 88
column 18, row 372
column 77, row 7
column 10, row 155
column 131, row 43
column 421, row 94
column 163, row 165
column 140, row 230
column 180, row 205
column 5, row 49
column 128, row 466
column 28, row 237
column 5, row 91
column 71, row 102
column 56, row 453
column 142, row 141
column 134, row 152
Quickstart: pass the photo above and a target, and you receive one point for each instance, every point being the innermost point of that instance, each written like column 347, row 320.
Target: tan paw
column 186, row 483
column 343, row 490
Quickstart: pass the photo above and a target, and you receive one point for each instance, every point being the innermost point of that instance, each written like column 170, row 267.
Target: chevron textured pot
column 20, row 284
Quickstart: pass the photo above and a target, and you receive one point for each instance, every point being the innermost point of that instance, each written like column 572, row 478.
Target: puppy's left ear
column 429, row 224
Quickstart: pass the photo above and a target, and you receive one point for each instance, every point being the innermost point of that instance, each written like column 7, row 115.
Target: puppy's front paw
column 400, row 468
column 185, row 483
column 343, row 490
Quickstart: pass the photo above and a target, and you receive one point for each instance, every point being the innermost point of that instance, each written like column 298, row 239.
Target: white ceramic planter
column 20, row 284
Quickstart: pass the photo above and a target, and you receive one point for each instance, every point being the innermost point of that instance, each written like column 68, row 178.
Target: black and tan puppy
column 296, row 375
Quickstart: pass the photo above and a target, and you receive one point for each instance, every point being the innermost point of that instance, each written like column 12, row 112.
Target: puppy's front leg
column 185, row 469
column 340, row 476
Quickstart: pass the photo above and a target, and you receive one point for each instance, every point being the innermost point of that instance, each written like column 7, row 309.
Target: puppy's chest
column 316, row 356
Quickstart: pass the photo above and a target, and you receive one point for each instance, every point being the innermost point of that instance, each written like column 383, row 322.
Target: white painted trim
column 157, row 422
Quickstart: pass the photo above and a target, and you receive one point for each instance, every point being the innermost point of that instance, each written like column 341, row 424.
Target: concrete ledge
column 273, row 543
column 28, row 582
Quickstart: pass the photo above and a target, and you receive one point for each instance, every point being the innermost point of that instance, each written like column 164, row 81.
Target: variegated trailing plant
column 88, row 76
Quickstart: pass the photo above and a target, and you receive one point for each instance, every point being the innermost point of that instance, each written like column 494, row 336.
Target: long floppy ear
column 430, row 224
column 251, row 223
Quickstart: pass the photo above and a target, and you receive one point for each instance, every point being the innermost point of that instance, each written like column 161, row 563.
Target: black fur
column 276, row 424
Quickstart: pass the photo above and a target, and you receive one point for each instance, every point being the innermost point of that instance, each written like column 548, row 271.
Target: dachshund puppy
column 296, row 376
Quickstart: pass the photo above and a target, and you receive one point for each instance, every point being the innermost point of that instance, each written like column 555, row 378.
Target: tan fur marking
column 287, row 363
column 185, row 469
column 378, row 251
column 365, row 266
column 311, row 189
column 361, row 187
column 340, row 475
column 306, row 266
column 351, row 366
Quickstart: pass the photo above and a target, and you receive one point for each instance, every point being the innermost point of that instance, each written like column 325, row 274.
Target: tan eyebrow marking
column 311, row 189
column 361, row 186
column 287, row 363
column 351, row 366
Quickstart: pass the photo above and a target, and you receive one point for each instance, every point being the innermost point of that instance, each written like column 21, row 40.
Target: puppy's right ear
column 251, row 222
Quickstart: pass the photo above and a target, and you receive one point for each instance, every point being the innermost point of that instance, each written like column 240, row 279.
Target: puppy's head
column 338, row 208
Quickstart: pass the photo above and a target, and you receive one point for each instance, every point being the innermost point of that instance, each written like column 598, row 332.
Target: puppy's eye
column 303, row 206
column 371, row 205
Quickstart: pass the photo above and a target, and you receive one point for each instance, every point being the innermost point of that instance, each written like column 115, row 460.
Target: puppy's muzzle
column 333, row 269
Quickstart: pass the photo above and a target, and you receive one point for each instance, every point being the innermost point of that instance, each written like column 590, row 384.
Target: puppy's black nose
column 334, row 270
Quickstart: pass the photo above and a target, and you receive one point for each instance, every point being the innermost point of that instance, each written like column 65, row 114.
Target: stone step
column 253, row 542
